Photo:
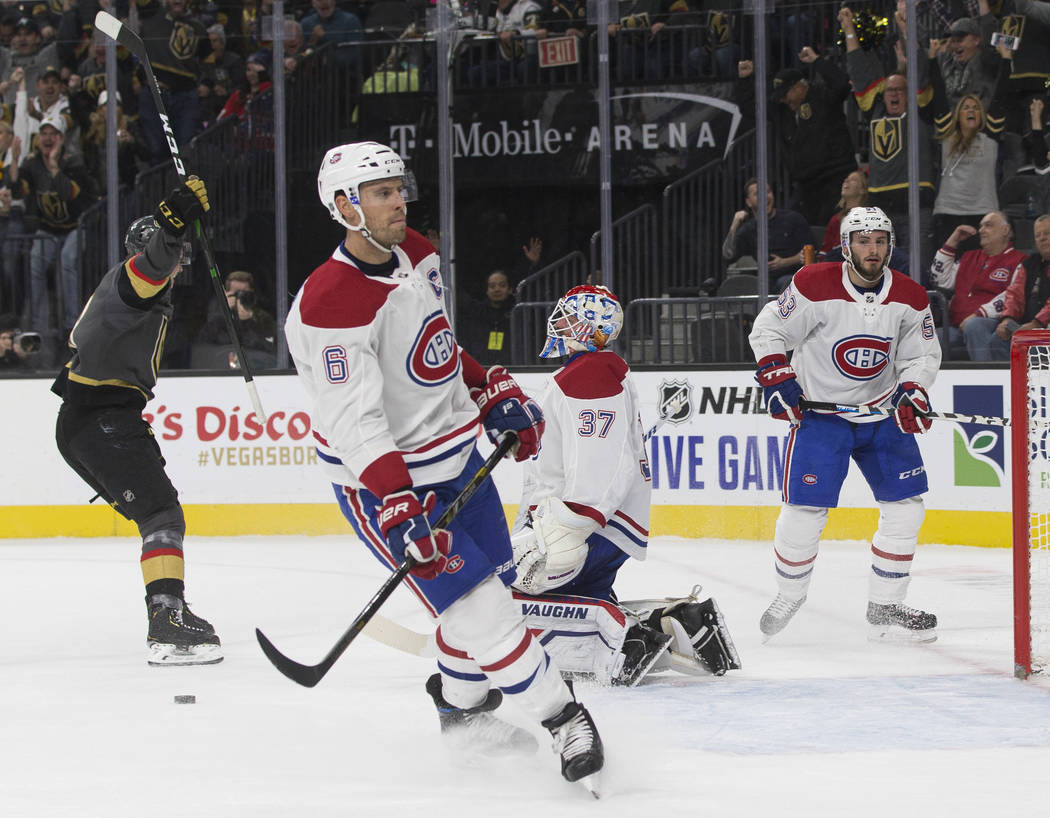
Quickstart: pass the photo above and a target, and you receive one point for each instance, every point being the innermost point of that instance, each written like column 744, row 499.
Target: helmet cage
column 864, row 220
column 139, row 233
column 585, row 319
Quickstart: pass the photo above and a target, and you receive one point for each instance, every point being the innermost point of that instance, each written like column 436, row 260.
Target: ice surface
column 819, row 722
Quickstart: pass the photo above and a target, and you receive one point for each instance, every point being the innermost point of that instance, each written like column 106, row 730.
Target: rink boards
column 716, row 461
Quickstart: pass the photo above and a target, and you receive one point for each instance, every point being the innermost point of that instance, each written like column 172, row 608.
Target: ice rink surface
column 819, row 722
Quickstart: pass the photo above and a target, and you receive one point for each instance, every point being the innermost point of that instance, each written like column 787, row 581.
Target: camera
column 27, row 341
column 1005, row 40
column 246, row 297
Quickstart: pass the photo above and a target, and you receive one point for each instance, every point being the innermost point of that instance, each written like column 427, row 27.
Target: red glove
column 504, row 407
column 403, row 522
column 912, row 404
column 780, row 387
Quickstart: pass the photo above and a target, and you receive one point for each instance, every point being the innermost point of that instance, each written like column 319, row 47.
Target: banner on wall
column 714, row 445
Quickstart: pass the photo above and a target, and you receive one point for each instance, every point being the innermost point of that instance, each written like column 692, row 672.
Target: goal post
column 1030, row 456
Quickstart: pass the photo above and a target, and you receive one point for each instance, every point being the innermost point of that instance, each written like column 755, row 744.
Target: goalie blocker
column 621, row 644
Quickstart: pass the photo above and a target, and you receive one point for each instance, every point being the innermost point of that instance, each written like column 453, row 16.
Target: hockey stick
column 120, row 33
column 397, row 636
column 979, row 420
column 673, row 406
column 310, row 675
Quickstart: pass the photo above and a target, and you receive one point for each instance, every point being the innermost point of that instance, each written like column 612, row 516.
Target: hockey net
column 1030, row 421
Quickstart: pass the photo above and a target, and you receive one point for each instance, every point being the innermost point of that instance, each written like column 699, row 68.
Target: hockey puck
column 185, row 700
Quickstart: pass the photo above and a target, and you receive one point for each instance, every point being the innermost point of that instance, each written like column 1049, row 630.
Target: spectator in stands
column 789, row 233
column 256, row 328
column 328, row 24
column 255, row 83
column 89, row 80
column 221, row 72
column 884, row 99
column 176, row 42
column 517, row 25
column 1037, row 136
column 131, row 147
column 12, row 294
column 1035, row 312
column 981, row 280
column 57, row 189
column 638, row 49
column 51, row 100
column 13, row 357
column 717, row 55
column 29, row 53
column 810, row 125
column 8, row 21
column 853, row 193
column 485, row 325
column 967, row 61
column 969, row 155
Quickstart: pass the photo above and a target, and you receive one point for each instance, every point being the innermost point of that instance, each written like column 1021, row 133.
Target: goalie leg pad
column 582, row 634
column 699, row 631
column 893, row 548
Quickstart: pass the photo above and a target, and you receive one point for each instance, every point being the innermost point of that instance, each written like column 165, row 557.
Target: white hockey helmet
column 585, row 319
column 346, row 167
column 865, row 220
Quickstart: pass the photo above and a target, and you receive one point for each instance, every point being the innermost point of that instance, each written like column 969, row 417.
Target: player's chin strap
column 364, row 231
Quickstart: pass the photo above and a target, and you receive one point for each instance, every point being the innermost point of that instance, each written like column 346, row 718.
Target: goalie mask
column 585, row 319
column 864, row 220
column 346, row 167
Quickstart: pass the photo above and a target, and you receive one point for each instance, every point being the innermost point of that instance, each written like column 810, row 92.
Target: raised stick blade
column 108, row 24
column 300, row 674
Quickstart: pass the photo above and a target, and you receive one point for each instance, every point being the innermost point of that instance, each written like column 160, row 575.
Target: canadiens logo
column 861, row 357
column 434, row 357
column 1000, row 274
column 455, row 562
column 435, row 282
column 809, row 479
column 335, row 157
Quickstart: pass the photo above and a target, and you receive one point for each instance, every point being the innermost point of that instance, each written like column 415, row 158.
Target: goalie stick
column 310, row 675
column 120, row 33
column 979, row 420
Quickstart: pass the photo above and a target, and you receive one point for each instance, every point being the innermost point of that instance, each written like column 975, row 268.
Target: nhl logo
column 676, row 401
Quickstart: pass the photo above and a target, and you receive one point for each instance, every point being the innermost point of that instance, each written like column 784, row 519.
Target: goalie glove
column 504, row 407
column 551, row 550
column 780, row 387
column 185, row 204
column 404, row 524
column 911, row 405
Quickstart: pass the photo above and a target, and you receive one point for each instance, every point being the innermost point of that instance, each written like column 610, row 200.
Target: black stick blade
column 306, row 675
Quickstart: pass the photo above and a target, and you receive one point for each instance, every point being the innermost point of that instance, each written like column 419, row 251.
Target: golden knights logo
column 53, row 209
column 183, row 41
column 1013, row 25
column 886, row 137
column 676, row 401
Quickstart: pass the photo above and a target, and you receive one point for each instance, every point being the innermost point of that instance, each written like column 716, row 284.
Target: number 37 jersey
column 593, row 457
column 851, row 346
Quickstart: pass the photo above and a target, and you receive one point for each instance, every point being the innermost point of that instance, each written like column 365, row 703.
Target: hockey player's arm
column 783, row 324
column 147, row 273
column 918, row 350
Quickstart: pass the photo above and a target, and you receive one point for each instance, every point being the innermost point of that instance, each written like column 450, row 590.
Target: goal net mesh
column 1038, row 436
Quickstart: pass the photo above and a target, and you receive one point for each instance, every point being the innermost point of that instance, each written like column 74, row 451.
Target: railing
column 636, row 253
column 528, row 331
column 551, row 282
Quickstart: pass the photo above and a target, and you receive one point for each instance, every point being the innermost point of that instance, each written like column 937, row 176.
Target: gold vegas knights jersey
column 851, row 346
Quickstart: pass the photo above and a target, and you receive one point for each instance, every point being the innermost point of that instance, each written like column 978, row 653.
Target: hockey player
column 397, row 406
column 117, row 344
column 585, row 510
column 861, row 334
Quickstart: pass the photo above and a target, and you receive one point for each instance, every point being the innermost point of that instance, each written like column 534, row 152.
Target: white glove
column 552, row 551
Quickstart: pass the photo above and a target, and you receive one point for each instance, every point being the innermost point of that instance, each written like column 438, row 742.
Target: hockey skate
column 778, row 614
column 577, row 741
column 177, row 636
column 899, row 623
column 642, row 648
column 476, row 729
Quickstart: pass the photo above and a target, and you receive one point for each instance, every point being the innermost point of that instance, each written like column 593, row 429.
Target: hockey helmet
column 864, row 220
column 346, row 167
column 587, row 318
column 139, row 234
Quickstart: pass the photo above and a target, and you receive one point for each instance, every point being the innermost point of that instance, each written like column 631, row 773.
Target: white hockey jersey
column 593, row 457
column 851, row 347
column 378, row 360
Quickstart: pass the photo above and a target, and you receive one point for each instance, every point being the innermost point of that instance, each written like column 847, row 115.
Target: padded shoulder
column 338, row 295
column 593, row 375
column 821, row 282
column 416, row 247
column 904, row 290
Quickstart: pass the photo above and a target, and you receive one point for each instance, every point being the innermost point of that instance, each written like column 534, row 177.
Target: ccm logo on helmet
column 861, row 357
column 434, row 356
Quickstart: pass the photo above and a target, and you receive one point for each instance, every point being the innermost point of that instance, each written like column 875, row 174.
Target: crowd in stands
column 837, row 118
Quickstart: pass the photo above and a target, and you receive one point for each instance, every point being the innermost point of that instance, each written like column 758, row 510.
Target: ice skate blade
column 895, row 634
column 163, row 655
column 591, row 784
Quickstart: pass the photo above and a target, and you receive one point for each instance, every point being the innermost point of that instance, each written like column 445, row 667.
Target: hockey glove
column 911, row 405
column 505, row 408
column 779, row 385
column 404, row 524
column 185, row 204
